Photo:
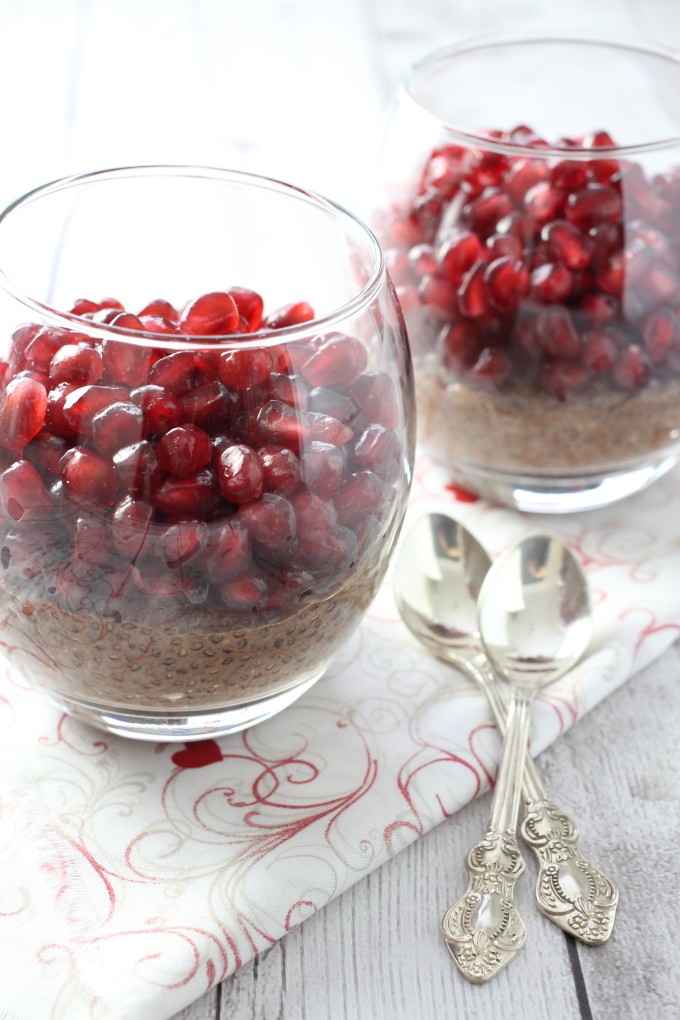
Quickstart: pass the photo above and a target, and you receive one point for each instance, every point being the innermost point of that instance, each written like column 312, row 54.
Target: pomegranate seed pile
column 549, row 272
column 251, row 478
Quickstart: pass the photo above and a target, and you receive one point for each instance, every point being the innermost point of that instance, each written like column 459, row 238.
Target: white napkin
column 135, row 876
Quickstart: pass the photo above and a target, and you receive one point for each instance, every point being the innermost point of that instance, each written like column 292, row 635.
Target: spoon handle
column 570, row 891
column 483, row 929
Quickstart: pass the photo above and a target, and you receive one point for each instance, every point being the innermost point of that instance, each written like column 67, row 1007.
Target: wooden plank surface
column 295, row 88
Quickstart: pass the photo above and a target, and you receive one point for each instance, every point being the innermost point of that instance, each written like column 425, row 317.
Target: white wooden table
column 296, row 89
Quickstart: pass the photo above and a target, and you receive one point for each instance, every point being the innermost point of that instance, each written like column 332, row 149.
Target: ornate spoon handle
column 570, row 891
column 483, row 930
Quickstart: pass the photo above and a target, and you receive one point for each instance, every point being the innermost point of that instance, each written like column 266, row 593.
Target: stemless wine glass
column 203, row 473
column 530, row 216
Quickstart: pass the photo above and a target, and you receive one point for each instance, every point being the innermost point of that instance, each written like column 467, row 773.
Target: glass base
column 562, row 494
column 176, row 726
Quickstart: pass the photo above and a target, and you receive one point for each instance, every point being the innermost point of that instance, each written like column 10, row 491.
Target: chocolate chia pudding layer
column 533, row 433
column 204, row 658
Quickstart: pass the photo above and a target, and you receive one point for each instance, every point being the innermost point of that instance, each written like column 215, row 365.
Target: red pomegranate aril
column 22, row 336
column 179, row 544
column 328, row 430
column 293, row 314
column 661, row 334
column 378, row 449
column 600, row 350
column 45, row 345
column 632, row 370
column 245, row 594
column 325, row 401
column 45, row 451
column 543, row 203
column 551, row 283
column 132, row 528
column 568, row 245
column 504, row 246
column 249, row 305
column 422, row 259
column 323, row 468
column 507, row 282
column 184, row 450
column 210, row 315
column 76, row 363
column 599, row 308
column 84, row 473
column 183, row 371
column 23, row 494
column 125, row 363
column 54, row 413
column 281, row 469
column 458, row 255
column 90, row 541
column 240, row 473
column 194, row 495
column 82, row 404
column 438, row 296
column 161, row 409
column 227, row 553
column 557, row 334
column 315, row 516
column 211, row 407
column 492, row 366
column 569, row 174
column 338, row 361
column 159, row 324
column 661, row 284
column 333, row 553
column 289, row 389
column 362, row 493
column 160, row 307
column 245, row 368
column 276, row 422
column 377, row 397
column 596, row 203
column 461, row 346
column 523, row 175
column 118, row 425
column 611, row 275
column 563, row 377
column 483, row 213
column 23, row 405
column 270, row 521
column 83, row 306
column 137, row 470
column 472, row 295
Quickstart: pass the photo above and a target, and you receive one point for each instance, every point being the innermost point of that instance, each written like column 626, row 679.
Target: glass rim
column 495, row 40
column 223, row 341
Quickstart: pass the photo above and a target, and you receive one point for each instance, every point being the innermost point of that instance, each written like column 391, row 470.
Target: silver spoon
column 439, row 572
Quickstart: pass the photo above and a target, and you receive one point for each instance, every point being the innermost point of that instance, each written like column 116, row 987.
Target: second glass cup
column 530, row 214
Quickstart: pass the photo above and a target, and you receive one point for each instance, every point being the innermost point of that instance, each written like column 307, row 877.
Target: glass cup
column 199, row 495
column 529, row 211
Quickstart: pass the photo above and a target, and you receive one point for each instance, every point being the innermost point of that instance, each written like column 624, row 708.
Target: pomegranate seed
column 661, row 284
column 569, row 175
column 45, row 451
column 323, row 468
column 227, row 551
column 244, row 369
column 379, row 450
column 631, row 371
column 568, row 245
column 563, row 377
column 22, row 412
column 328, row 430
column 492, row 366
column 331, row 554
column 377, row 396
column 507, row 282
column 179, row 544
column 111, row 302
column 599, row 308
column 21, row 338
column 76, row 363
column 543, row 203
column 211, row 407
column 132, row 528
column 23, row 495
column 45, row 345
column 599, row 350
column 247, row 594
column 86, row 474
column 289, row 389
column 90, row 542
column 596, row 203
column 240, row 473
column 458, row 255
column 461, row 346
column 137, row 470
column 184, row 450
column 183, row 371
column 159, row 324
column 82, row 404
column 362, row 493
column 504, row 246
column 556, row 333
column 523, row 175
column 83, row 306
column 551, row 283
column 472, row 294
column 661, row 334
column 125, row 363
column 161, row 308
column 161, row 409
column 118, row 425
column 249, row 305
column 164, row 584
column 276, row 422
column 210, row 315
column 270, row 521
column 289, row 315
column 54, row 413
column 193, row 495
column 438, row 296
column 316, row 517
column 281, row 469
column 483, row 213
column 422, row 260
column 611, row 275
column 331, row 403
column 339, row 361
